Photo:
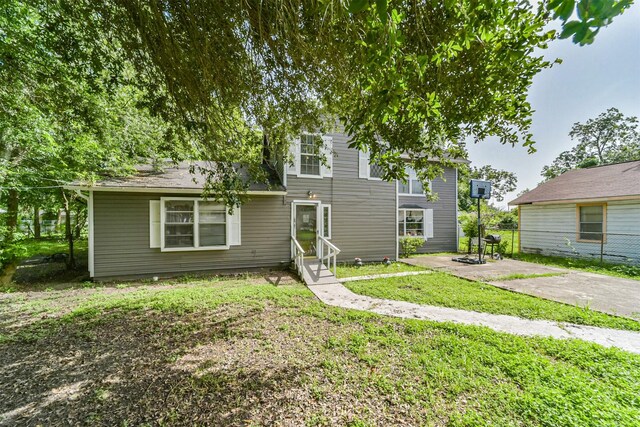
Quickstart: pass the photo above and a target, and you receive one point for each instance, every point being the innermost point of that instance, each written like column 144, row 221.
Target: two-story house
column 157, row 224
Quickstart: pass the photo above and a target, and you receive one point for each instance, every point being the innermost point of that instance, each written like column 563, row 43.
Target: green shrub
column 409, row 245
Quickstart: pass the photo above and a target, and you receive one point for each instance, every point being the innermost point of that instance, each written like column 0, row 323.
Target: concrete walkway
column 613, row 295
column 324, row 285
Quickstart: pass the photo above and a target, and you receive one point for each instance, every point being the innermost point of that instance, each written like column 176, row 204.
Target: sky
column 590, row 80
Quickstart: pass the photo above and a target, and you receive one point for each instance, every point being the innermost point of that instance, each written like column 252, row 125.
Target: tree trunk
column 59, row 221
column 12, row 215
column 80, row 222
column 10, row 265
column 36, row 222
column 71, row 262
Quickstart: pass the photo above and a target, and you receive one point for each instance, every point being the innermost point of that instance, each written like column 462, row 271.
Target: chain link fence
column 616, row 248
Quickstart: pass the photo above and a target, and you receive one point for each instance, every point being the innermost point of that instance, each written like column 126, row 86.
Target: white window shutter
column 327, row 150
column 235, row 228
column 428, row 223
column 293, row 164
column 154, row 223
column 363, row 164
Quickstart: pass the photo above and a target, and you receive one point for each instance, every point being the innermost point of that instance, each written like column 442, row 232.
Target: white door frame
column 318, row 205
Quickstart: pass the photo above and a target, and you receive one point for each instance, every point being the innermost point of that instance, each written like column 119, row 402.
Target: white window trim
column 404, row 222
column 328, row 207
column 412, row 176
column 368, row 169
column 196, row 231
column 298, row 157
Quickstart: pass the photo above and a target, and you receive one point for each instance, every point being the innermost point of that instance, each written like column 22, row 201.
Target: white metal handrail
column 331, row 253
column 298, row 255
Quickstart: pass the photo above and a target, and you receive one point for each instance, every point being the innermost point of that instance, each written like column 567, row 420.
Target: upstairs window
column 309, row 156
column 367, row 168
column 375, row 171
column 308, row 159
column 413, row 186
column 591, row 223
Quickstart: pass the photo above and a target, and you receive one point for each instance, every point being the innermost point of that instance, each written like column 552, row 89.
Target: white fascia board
column 166, row 190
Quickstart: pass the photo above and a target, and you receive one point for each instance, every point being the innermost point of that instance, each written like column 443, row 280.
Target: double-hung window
column 591, row 222
column 309, row 156
column 415, row 223
column 179, row 225
column 367, row 168
column 192, row 224
column 411, row 222
column 413, row 186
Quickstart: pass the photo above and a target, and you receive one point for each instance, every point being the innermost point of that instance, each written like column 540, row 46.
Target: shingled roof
column 176, row 177
column 619, row 180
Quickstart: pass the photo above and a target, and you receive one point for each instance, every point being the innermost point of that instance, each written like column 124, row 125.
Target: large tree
column 66, row 113
column 409, row 77
column 611, row 137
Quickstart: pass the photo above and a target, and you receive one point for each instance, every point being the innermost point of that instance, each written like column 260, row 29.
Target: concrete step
column 315, row 273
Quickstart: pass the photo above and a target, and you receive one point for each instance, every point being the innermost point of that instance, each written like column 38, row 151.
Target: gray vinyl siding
column 552, row 230
column 363, row 212
column 444, row 213
column 363, row 217
column 121, row 224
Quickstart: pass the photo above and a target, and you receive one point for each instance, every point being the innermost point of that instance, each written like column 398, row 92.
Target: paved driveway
column 604, row 293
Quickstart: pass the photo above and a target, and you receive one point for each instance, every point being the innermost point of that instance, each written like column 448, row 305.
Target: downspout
column 396, row 226
column 457, row 223
column 90, row 243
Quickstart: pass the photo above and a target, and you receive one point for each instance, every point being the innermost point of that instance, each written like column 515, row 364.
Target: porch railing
column 327, row 252
column 298, row 255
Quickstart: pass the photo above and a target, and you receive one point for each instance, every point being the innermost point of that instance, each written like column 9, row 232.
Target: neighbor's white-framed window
column 591, row 222
column 413, row 186
column 326, row 221
column 310, row 159
column 415, row 223
column 187, row 224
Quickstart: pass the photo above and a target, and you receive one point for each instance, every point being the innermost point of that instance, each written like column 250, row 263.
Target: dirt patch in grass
column 228, row 367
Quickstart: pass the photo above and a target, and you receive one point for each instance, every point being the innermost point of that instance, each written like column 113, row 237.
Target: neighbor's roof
column 620, row 180
column 174, row 177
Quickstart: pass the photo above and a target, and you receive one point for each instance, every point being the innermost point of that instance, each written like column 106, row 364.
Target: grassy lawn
column 350, row 270
column 443, row 289
column 51, row 245
column 246, row 352
column 45, row 275
column 592, row 266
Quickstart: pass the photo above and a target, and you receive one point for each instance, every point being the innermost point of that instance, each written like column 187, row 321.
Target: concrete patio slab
column 613, row 295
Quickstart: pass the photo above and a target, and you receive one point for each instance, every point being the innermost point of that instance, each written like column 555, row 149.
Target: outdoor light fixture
column 311, row 194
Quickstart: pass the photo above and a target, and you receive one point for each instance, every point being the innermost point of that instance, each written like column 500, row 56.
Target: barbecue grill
column 493, row 240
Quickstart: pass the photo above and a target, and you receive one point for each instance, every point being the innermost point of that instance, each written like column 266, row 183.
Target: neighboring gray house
column 592, row 212
column 155, row 223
